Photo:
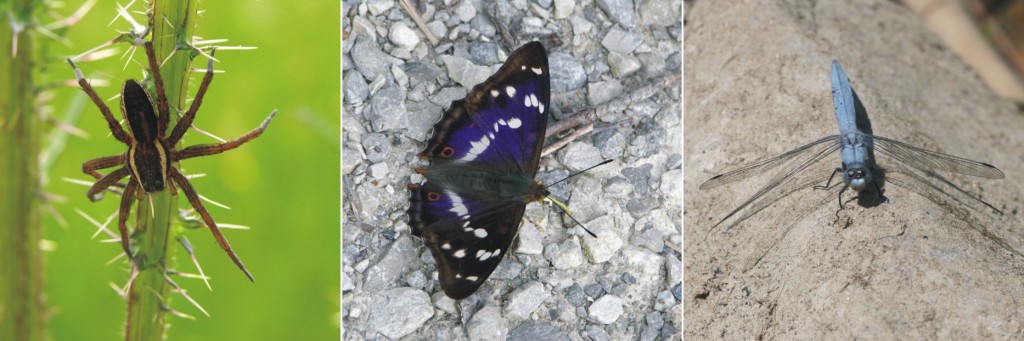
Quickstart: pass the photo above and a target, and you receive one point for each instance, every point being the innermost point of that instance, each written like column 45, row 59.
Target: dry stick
column 590, row 114
column 419, row 21
column 506, row 36
column 561, row 143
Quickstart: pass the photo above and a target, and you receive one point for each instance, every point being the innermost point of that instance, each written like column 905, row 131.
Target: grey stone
column 378, row 7
column 607, row 243
column 578, row 156
column 537, row 330
column 601, row 92
column 566, row 255
column 650, row 239
column 355, row 89
column 531, row 242
column 605, row 310
column 400, row 34
column 465, row 11
column 483, row 53
column 544, row 3
column 421, row 118
column 563, row 8
column 350, row 159
column 387, row 110
column 617, row 187
column 487, row 324
column 649, row 139
column 611, row 143
column 674, row 269
column 621, row 42
column 421, row 73
column 640, row 177
column 438, row 28
column 483, row 24
column 379, row 171
column 394, row 261
column 596, row 333
column 346, row 283
column 638, row 207
column 508, row 269
column 446, row 96
column 660, row 12
column 653, row 65
column 464, row 72
column 398, row 312
column 574, row 294
column 376, row 146
column 593, row 290
column 566, row 72
column 620, row 11
column 622, row 65
column 525, row 300
column 664, row 301
column 369, row 59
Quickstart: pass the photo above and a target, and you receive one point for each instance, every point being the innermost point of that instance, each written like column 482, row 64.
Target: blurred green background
column 284, row 184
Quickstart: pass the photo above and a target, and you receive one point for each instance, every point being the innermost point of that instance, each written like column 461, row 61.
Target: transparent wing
column 927, row 161
column 797, row 160
column 763, row 166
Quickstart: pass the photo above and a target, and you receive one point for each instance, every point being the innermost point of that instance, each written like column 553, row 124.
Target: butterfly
column 484, row 155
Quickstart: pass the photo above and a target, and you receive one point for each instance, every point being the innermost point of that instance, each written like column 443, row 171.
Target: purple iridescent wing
column 502, row 120
column 485, row 152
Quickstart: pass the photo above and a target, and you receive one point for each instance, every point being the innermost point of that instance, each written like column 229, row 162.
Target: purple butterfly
column 485, row 152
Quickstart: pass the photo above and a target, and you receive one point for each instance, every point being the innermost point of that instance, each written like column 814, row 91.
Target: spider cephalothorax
column 152, row 152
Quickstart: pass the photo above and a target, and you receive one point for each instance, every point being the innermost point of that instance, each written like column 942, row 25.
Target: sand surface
column 756, row 85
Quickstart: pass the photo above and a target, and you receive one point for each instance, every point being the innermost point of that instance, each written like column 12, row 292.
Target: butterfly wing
column 467, row 236
column 502, row 120
column 485, row 152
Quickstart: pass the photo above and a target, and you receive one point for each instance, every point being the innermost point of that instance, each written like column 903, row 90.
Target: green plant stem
column 21, row 266
column 148, row 297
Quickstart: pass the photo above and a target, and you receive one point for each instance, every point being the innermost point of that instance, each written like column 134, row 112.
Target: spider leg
column 210, row 149
column 161, row 96
column 107, row 181
column 115, row 127
column 90, row 167
column 193, row 199
column 127, row 199
column 186, row 121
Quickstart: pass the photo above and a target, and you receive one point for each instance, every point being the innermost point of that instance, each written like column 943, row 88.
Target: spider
column 149, row 161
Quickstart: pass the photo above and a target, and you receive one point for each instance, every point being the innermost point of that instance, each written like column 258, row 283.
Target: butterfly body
column 485, row 152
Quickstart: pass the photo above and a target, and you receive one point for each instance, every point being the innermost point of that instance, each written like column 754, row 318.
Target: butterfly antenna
column 580, row 172
column 566, row 210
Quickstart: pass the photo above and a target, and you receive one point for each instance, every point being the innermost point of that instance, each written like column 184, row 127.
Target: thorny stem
column 21, row 267
column 173, row 22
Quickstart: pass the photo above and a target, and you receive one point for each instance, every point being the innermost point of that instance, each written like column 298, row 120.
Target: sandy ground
column 756, row 85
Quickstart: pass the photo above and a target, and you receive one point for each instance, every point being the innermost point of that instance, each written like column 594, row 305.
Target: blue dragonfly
column 856, row 145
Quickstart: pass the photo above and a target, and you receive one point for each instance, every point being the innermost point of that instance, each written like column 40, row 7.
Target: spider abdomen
column 148, row 162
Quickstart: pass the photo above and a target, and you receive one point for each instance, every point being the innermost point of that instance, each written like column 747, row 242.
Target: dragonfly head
column 857, row 176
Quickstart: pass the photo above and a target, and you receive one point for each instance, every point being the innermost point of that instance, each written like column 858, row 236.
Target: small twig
column 561, row 143
column 419, row 21
column 620, row 103
column 506, row 36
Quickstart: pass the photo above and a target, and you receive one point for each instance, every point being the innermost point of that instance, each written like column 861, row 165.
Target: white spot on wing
column 477, row 147
column 458, row 207
column 446, row 246
column 527, row 102
column 497, row 252
column 537, row 70
column 494, row 93
column 510, row 91
column 541, row 107
column 480, row 233
column 458, row 276
column 515, row 123
column 533, row 99
column 472, row 278
column 460, row 253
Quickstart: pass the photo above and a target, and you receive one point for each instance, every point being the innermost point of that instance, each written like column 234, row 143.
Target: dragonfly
column 856, row 146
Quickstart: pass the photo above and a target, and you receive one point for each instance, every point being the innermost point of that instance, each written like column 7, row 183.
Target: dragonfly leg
column 829, row 182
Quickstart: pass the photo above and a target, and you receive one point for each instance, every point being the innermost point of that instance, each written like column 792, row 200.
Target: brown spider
column 149, row 161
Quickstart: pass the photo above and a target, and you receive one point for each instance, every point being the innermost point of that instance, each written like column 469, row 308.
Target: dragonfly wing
column 929, row 161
